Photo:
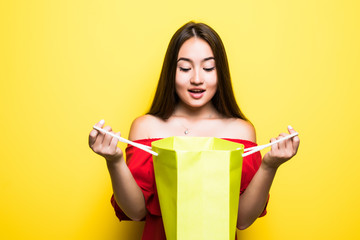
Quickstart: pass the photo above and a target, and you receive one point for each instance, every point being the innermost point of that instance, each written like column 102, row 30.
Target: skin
column 195, row 112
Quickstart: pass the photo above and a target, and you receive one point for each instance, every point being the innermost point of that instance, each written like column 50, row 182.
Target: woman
column 194, row 97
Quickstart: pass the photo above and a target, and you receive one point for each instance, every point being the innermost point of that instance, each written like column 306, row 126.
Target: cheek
column 214, row 88
column 212, row 81
column 179, row 86
column 181, row 76
column 180, row 80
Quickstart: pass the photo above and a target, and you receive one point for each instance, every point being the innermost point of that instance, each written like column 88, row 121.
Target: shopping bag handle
column 138, row 145
column 251, row 150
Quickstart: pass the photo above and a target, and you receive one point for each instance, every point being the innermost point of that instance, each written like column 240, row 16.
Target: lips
column 196, row 92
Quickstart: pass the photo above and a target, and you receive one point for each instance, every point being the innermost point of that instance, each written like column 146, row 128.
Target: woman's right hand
column 104, row 144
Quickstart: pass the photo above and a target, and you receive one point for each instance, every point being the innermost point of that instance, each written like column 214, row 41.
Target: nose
column 196, row 79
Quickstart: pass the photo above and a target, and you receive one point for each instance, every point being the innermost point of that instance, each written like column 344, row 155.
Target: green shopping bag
column 198, row 184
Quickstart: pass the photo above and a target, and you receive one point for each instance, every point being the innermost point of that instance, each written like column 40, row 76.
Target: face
column 196, row 77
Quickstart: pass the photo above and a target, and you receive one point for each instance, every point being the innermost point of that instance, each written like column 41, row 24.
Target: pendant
column 186, row 131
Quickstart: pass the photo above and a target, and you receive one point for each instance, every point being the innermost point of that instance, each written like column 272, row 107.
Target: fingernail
column 290, row 127
column 102, row 121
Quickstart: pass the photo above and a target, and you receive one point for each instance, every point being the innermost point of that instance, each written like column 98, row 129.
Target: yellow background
column 67, row 64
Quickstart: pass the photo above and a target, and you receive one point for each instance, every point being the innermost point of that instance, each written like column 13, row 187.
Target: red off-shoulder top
column 140, row 164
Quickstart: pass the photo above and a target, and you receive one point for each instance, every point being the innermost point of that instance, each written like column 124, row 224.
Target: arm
column 127, row 193
column 252, row 202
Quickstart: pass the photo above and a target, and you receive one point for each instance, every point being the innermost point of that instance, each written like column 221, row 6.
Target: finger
column 288, row 143
column 100, row 135
column 290, row 150
column 114, row 142
column 283, row 144
column 94, row 133
column 281, row 135
column 291, row 130
column 107, row 138
column 100, row 124
column 295, row 140
column 275, row 146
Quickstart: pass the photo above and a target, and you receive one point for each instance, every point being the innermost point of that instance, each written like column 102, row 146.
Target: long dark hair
column 166, row 98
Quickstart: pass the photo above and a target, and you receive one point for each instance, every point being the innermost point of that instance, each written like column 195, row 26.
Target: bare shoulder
column 141, row 127
column 242, row 129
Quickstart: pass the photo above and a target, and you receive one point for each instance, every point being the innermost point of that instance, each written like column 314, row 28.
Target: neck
column 205, row 112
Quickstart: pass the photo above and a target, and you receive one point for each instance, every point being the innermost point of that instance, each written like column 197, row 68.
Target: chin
column 197, row 104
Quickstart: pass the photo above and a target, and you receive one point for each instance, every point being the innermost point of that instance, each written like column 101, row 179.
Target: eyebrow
column 189, row 60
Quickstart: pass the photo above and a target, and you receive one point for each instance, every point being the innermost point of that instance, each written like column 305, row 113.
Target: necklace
column 187, row 130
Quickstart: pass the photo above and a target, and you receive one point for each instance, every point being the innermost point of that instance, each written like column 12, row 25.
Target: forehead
column 195, row 49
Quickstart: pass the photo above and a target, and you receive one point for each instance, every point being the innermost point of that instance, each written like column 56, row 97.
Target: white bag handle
column 138, row 145
column 251, row 150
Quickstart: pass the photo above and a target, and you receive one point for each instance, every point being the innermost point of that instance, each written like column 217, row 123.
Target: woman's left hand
column 282, row 151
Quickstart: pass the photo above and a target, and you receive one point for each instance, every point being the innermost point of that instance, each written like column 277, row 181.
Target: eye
column 209, row 69
column 184, row 69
